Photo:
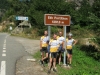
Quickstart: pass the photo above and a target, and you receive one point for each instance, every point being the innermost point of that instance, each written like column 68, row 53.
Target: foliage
column 35, row 10
column 98, row 40
column 96, row 8
column 87, row 17
column 81, row 64
column 83, row 13
column 92, row 51
column 4, row 4
column 6, row 29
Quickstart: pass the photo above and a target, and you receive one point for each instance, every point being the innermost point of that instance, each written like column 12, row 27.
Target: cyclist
column 61, row 47
column 44, row 41
column 70, row 43
column 54, row 44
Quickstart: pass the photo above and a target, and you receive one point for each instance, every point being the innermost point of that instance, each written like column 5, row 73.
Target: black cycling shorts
column 69, row 51
column 53, row 54
column 44, row 49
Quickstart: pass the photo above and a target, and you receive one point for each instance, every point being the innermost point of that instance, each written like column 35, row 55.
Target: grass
column 37, row 55
column 81, row 64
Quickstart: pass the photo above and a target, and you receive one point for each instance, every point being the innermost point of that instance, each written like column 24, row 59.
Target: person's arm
column 74, row 42
column 48, row 41
column 64, row 41
column 40, row 45
column 63, row 44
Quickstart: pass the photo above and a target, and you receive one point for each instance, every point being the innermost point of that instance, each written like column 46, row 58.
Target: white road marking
column 4, row 54
column 3, row 68
column 4, row 50
column 3, row 63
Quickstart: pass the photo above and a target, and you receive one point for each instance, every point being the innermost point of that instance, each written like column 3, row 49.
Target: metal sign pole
column 64, row 30
column 49, row 31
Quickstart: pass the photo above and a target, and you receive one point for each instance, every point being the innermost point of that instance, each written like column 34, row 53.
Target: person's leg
column 48, row 59
column 50, row 63
column 45, row 57
column 54, row 62
column 43, row 54
column 70, row 59
column 59, row 58
column 60, row 49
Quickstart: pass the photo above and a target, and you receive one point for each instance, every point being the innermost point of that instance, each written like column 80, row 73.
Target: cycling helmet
column 70, row 34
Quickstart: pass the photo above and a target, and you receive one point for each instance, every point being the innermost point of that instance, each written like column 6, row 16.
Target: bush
column 91, row 51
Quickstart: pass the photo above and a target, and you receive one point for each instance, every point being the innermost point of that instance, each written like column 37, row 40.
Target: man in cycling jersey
column 70, row 43
column 43, row 47
column 54, row 44
column 61, row 47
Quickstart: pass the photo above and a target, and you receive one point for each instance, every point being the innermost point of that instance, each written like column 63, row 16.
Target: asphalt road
column 10, row 51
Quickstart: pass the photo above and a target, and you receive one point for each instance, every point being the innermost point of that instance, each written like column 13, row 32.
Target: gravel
column 27, row 65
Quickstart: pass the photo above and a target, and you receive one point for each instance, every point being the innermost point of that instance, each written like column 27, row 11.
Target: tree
column 84, row 13
column 96, row 8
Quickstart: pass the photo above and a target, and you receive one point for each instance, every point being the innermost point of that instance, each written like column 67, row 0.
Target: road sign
column 21, row 18
column 59, row 20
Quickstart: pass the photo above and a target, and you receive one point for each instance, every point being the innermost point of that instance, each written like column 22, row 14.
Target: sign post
column 49, row 31
column 64, row 60
column 58, row 20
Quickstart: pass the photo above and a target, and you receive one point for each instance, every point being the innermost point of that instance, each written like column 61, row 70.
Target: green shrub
column 91, row 51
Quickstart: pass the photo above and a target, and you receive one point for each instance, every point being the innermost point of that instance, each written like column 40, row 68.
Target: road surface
column 10, row 51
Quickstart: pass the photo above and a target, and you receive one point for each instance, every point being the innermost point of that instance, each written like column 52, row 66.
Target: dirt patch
column 24, row 66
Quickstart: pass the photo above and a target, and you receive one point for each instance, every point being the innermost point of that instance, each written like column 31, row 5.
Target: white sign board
column 21, row 18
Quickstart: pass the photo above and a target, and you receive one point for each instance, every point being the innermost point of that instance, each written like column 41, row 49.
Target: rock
column 31, row 60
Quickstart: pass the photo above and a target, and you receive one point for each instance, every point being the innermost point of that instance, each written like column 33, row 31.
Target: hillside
column 4, row 5
column 85, row 28
column 85, row 18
